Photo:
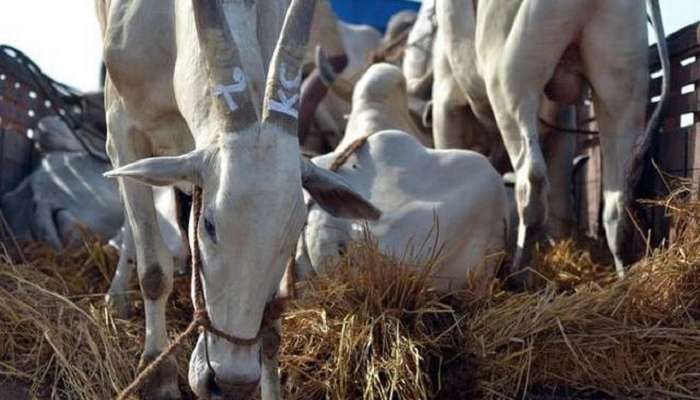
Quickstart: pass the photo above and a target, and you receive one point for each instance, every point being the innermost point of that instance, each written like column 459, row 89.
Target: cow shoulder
column 138, row 39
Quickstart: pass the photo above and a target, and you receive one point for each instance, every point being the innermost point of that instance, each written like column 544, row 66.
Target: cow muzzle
column 218, row 389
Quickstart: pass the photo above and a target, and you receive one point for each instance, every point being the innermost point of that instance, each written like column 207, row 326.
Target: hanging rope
column 568, row 130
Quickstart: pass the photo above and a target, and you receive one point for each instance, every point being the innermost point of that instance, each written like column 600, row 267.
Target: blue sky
column 62, row 36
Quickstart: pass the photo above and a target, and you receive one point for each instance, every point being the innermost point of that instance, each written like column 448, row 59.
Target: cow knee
column 445, row 99
column 154, row 282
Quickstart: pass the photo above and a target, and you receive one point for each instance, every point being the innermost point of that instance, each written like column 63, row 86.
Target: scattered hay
column 569, row 264
column 635, row 338
column 51, row 334
column 373, row 329
column 351, row 336
column 56, row 337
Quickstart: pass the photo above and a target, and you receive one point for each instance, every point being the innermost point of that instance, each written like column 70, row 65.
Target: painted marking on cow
column 238, row 85
column 286, row 103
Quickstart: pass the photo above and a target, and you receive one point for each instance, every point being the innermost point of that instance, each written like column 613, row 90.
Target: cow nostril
column 232, row 391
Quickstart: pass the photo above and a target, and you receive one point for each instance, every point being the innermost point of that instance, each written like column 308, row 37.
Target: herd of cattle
column 209, row 94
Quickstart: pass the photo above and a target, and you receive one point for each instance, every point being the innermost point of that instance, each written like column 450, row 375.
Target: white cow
column 63, row 196
column 457, row 192
column 66, row 193
column 415, row 61
column 503, row 56
column 417, row 65
column 413, row 185
column 325, row 129
column 203, row 92
column 324, row 114
column 379, row 102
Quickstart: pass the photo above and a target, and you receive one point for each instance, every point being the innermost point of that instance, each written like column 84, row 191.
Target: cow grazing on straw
column 500, row 59
column 187, row 101
column 454, row 192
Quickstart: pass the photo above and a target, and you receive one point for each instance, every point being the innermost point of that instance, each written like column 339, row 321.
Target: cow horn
column 281, row 101
column 339, row 86
column 229, row 84
column 313, row 91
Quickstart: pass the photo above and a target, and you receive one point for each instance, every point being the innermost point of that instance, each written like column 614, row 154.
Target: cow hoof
column 119, row 305
column 521, row 276
column 519, row 281
column 162, row 384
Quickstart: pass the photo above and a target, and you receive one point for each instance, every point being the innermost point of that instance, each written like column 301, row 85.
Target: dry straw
column 373, row 329
column 56, row 337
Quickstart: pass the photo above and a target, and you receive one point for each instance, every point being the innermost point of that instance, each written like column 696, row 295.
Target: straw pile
column 635, row 338
column 373, row 329
column 51, row 339
column 57, row 339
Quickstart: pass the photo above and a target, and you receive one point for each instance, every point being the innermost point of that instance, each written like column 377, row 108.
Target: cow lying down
column 64, row 195
column 415, row 186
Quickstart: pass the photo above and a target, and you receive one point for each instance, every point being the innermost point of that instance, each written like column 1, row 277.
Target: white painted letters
column 286, row 103
column 238, row 85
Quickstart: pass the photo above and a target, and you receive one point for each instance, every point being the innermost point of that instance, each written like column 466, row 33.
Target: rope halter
column 200, row 318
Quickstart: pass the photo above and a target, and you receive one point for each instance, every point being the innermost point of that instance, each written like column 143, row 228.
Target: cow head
column 323, row 240
column 251, row 178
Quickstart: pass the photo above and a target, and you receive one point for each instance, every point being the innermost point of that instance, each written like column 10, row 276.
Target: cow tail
column 641, row 150
column 101, row 8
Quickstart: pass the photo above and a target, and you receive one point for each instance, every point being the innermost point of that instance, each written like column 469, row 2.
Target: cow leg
column 515, row 82
column 515, row 91
column 117, row 297
column 516, row 110
column 155, row 269
column 559, row 150
column 69, row 228
column 618, row 75
column 153, row 259
column 43, row 226
column 531, row 192
column 270, row 388
column 452, row 120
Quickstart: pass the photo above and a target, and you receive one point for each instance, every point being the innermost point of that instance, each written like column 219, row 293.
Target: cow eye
column 211, row 230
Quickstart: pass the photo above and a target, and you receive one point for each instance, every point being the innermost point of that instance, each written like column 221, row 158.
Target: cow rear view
column 503, row 58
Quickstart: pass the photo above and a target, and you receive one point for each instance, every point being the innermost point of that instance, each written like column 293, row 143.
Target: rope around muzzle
column 200, row 317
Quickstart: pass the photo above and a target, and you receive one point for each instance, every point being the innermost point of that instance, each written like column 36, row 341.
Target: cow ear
column 334, row 195
column 163, row 171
